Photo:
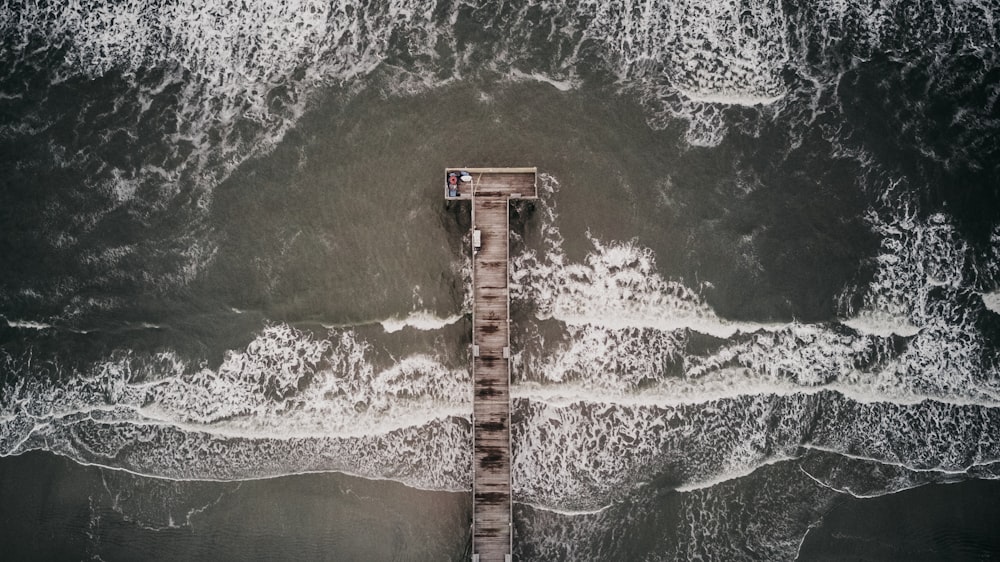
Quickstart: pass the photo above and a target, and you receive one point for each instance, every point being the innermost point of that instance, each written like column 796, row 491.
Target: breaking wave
column 420, row 320
column 992, row 301
column 288, row 403
column 627, row 377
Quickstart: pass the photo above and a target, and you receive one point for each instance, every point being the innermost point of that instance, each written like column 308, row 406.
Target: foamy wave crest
column 561, row 85
column 586, row 454
column 617, row 286
column 420, row 320
column 27, row 324
column 594, row 357
column 648, row 366
column 992, row 301
column 288, row 403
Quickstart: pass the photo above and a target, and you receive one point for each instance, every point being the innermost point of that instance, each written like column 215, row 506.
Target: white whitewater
column 420, row 320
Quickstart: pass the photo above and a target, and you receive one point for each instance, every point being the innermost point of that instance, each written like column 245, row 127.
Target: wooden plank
column 497, row 184
column 492, row 533
column 490, row 191
column 491, row 371
column 474, row 170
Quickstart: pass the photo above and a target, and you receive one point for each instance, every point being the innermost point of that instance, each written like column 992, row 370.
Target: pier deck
column 490, row 191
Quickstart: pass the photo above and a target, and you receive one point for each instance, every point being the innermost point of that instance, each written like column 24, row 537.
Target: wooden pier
column 490, row 190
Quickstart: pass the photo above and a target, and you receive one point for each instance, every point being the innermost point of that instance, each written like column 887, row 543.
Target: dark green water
column 754, row 309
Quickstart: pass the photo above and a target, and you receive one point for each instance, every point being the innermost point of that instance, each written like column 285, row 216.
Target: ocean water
column 756, row 309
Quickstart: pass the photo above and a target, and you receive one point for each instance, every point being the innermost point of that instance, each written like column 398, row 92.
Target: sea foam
column 617, row 393
column 288, row 403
